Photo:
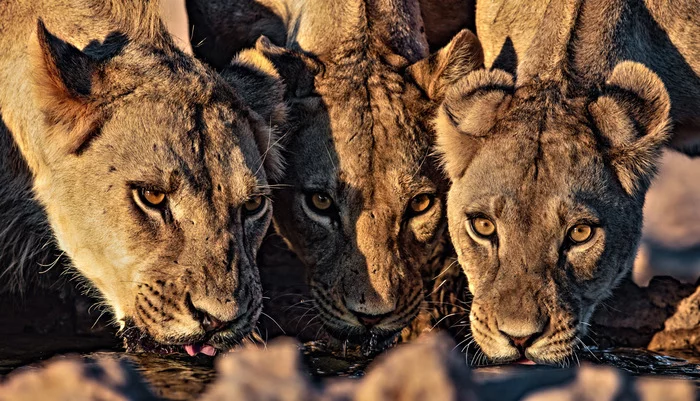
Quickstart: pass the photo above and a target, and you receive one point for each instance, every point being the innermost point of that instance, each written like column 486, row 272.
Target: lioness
column 549, row 167
column 149, row 169
column 362, row 200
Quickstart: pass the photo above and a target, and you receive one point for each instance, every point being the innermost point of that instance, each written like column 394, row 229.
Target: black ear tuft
column 632, row 115
column 258, row 82
column 64, row 79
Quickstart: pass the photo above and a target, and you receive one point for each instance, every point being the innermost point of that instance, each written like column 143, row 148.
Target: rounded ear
column 266, row 77
column 468, row 113
column 64, row 85
column 296, row 68
column 256, row 80
column 632, row 116
column 441, row 69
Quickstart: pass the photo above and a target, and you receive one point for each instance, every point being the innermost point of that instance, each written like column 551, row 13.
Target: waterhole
column 180, row 377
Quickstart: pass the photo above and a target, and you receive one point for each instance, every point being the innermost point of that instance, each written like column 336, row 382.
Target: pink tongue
column 194, row 349
column 208, row 350
column 524, row 361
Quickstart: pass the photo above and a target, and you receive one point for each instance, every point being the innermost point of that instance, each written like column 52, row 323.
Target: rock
column 598, row 383
column 254, row 374
column 428, row 369
column 634, row 314
column 671, row 234
column 425, row 370
column 75, row 379
column 682, row 330
column 671, row 213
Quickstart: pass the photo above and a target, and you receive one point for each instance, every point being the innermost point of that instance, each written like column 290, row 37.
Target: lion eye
column 580, row 233
column 152, row 198
column 253, row 205
column 483, row 226
column 321, row 202
column 421, row 203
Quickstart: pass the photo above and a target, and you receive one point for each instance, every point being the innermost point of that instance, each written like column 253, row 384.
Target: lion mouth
column 194, row 349
column 524, row 361
column 138, row 340
column 369, row 342
column 145, row 343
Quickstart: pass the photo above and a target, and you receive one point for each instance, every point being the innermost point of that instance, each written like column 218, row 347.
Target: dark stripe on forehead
column 201, row 178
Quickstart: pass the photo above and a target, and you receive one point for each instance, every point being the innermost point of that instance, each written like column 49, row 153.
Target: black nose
column 368, row 320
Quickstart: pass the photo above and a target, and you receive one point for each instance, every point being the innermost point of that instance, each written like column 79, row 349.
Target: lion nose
column 522, row 342
column 209, row 323
column 368, row 320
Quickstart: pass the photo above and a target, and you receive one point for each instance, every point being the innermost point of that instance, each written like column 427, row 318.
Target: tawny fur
column 565, row 128
column 592, row 36
column 220, row 29
column 102, row 105
column 362, row 89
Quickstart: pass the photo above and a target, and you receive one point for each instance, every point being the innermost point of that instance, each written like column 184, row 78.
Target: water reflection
column 180, row 377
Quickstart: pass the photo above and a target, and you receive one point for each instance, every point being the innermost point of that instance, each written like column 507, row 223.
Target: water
column 179, row 377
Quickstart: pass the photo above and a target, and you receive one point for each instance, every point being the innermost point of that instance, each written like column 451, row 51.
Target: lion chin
column 139, row 340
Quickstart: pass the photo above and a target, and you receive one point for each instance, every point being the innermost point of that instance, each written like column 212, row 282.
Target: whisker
column 274, row 321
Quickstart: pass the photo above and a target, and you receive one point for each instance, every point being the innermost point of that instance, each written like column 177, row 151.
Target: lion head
column 362, row 199
column 545, row 207
column 153, row 173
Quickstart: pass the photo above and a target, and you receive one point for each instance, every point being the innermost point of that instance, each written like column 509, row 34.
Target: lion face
column 362, row 200
column 545, row 208
column 540, row 238
column 364, row 221
column 159, row 197
column 167, row 228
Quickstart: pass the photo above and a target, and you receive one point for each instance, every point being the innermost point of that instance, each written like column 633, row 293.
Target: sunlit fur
column 360, row 111
column 537, row 162
column 126, row 110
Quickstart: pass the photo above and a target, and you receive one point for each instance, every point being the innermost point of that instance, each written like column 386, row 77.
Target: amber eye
column 320, row 202
column 254, row 205
column 580, row 233
column 152, row 198
column 483, row 227
column 421, row 203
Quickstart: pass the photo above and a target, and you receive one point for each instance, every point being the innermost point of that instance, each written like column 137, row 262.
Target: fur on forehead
column 629, row 117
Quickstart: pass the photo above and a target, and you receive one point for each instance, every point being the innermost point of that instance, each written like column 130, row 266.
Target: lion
column 550, row 160
column 143, row 166
column 361, row 202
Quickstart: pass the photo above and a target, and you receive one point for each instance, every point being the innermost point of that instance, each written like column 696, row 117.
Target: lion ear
column 259, row 84
column 632, row 115
column 297, row 69
column 468, row 113
column 64, row 80
column 257, row 81
column 441, row 69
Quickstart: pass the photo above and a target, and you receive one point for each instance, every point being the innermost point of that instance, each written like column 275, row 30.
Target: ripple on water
column 180, row 377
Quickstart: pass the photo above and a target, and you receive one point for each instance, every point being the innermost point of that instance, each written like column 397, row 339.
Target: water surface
column 180, row 377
